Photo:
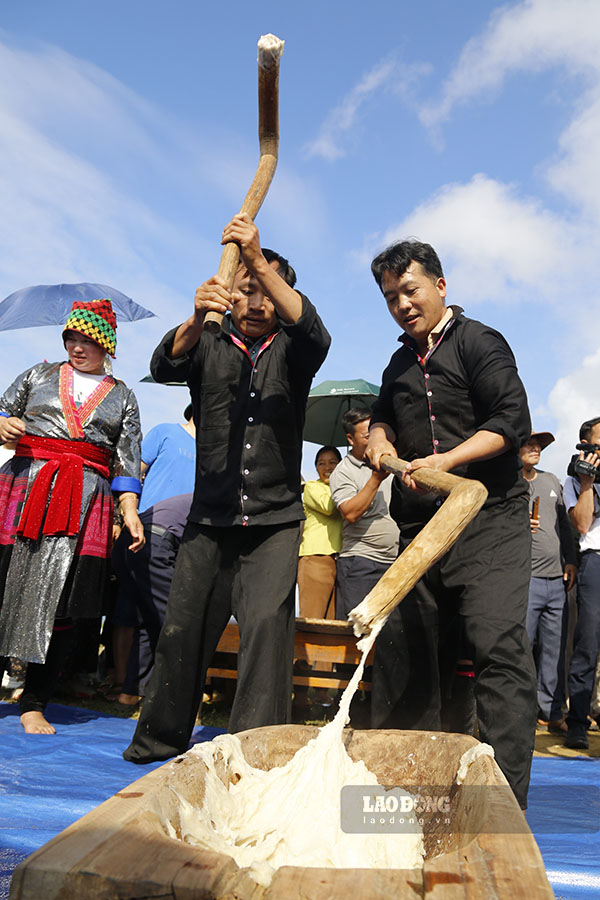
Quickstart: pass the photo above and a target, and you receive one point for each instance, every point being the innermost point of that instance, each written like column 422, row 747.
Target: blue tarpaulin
column 48, row 782
column 571, row 857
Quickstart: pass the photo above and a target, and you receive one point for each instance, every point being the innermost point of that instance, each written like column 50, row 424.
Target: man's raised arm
column 211, row 295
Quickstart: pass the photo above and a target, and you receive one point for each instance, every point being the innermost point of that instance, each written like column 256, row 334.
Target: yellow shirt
column 323, row 527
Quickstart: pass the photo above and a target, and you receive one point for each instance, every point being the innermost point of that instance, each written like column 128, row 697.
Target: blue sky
column 129, row 140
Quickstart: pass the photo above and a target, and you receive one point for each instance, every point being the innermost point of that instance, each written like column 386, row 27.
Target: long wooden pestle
column 464, row 499
column 270, row 49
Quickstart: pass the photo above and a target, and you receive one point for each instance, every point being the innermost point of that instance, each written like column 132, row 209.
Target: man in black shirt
column 451, row 399
column 249, row 385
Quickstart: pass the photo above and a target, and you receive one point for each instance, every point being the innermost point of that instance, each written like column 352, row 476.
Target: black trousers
column 146, row 578
column 483, row 580
column 355, row 577
column 585, row 643
column 41, row 678
column 248, row 572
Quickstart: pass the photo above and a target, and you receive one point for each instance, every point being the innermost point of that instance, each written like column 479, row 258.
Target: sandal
column 107, row 685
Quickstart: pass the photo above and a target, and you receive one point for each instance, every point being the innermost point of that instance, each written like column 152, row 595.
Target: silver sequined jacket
column 114, row 424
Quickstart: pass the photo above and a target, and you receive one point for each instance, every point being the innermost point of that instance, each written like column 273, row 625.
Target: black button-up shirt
column 467, row 383
column 249, row 418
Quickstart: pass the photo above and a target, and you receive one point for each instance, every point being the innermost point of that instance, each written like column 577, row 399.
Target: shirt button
column 250, row 419
column 433, row 418
column 430, row 393
column 253, row 393
column 246, row 471
column 245, row 518
column 248, row 446
column 426, row 374
column 245, row 497
column 436, row 443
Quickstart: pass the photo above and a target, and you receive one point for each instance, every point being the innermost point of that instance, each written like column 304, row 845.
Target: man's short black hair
column 586, row 429
column 353, row 417
column 285, row 269
column 397, row 257
column 327, row 449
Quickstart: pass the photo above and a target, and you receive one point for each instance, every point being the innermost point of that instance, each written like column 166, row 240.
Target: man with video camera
column 582, row 500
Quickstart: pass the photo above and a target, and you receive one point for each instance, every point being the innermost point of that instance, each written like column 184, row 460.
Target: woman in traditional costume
column 78, row 433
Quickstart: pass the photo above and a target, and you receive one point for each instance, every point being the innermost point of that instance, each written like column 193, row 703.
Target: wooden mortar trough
column 121, row 850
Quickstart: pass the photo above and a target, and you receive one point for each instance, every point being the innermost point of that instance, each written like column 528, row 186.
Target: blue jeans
column 586, row 642
column 547, row 618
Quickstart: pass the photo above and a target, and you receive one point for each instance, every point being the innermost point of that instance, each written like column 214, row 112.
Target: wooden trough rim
column 93, row 860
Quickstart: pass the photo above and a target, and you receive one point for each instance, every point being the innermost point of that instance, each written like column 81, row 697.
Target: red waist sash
column 66, row 459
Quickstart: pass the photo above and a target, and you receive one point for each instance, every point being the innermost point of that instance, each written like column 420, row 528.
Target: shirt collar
column 249, row 341
column 435, row 332
column 452, row 312
column 355, row 461
column 253, row 345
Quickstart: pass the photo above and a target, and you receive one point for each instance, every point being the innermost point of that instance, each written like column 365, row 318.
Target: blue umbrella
column 50, row 304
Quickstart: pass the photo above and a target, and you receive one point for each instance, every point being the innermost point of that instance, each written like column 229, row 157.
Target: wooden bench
column 317, row 642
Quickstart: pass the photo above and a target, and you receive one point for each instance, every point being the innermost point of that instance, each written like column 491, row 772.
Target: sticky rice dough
column 290, row 815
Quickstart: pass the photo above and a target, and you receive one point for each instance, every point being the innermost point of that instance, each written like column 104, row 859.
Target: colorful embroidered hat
column 97, row 320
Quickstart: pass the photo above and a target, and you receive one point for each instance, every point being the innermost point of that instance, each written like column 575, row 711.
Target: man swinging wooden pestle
column 249, row 382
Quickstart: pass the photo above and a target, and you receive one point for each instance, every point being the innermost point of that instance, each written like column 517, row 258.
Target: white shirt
column 591, row 539
column 83, row 385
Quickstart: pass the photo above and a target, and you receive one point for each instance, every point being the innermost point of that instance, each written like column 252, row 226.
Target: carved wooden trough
column 121, row 849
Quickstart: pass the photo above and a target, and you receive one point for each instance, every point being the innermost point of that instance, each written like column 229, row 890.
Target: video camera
column 588, row 448
column 580, row 466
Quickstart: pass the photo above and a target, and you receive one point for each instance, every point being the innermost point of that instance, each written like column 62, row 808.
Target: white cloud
column 66, row 214
column 574, row 171
column 499, row 246
column 91, row 178
column 533, row 36
column 528, row 36
column 495, row 244
column 499, row 241
column 573, row 400
column 331, row 142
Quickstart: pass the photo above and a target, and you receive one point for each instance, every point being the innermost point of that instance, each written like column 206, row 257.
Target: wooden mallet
column 464, row 499
column 270, row 49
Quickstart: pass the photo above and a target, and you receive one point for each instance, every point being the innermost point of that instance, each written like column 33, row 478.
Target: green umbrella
column 148, row 379
column 327, row 403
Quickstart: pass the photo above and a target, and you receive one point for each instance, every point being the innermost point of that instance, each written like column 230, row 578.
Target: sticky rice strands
column 464, row 499
column 270, row 49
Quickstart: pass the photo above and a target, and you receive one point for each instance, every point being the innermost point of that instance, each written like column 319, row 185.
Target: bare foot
column 128, row 699
column 34, row 723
